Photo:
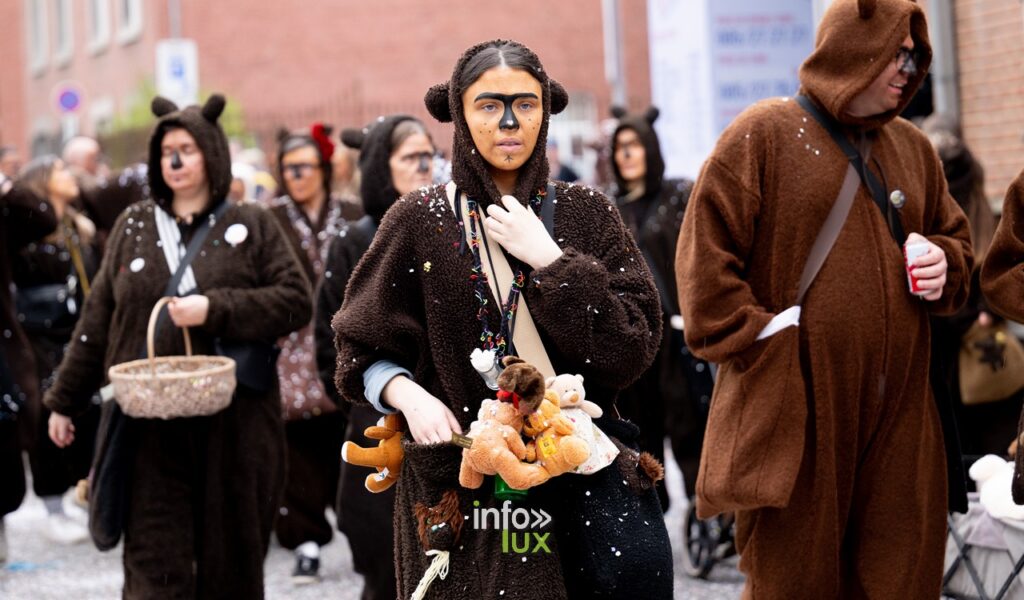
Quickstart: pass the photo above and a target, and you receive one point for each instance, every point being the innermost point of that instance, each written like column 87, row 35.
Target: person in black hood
column 396, row 157
column 422, row 301
column 673, row 395
column 201, row 491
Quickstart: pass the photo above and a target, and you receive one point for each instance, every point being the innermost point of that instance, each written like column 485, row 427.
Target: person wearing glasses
column 310, row 219
column 828, row 395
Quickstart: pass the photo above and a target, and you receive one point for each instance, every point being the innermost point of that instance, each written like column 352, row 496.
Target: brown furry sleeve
column 1002, row 275
column 721, row 314
column 381, row 317
column 282, row 303
column 81, row 371
column 950, row 231
column 597, row 303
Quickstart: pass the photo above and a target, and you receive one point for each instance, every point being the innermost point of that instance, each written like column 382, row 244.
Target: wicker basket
column 169, row 387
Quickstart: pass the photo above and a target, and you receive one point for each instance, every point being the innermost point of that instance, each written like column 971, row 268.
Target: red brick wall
column 351, row 60
column 344, row 61
column 12, row 75
column 991, row 54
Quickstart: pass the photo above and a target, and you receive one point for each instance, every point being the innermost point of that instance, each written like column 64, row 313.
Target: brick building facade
column 990, row 51
column 346, row 61
column 289, row 63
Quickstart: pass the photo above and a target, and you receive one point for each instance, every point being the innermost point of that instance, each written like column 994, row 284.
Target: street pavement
column 37, row 569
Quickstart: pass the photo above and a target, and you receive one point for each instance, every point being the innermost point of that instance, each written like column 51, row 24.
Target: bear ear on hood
column 651, row 114
column 866, row 8
column 559, row 97
column 282, row 134
column 618, row 112
column 353, row 138
column 436, row 100
column 213, row 108
column 162, row 106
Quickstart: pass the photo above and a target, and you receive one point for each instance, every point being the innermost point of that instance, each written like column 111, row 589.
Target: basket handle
column 153, row 316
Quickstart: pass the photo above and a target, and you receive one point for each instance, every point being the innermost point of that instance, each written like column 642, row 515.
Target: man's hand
column 929, row 268
column 519, row 231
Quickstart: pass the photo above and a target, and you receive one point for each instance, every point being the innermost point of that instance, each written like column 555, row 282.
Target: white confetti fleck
column 137, row 264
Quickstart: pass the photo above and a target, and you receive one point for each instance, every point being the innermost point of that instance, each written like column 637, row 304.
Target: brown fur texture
column 1002, row 278
column 863, row 339
column 440, row 526
column 523, row 380
column 652, row 467
column 554, row 447
column 256, row 291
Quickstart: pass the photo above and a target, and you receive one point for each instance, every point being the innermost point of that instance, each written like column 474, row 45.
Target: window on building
column 64, row 47
column 129, row 20
column 38, row 40
column 99, row 24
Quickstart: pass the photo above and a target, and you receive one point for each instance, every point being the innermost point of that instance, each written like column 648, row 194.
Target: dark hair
column 293, row 141
column 506, row 54
column 405, row 130
column 35, row 176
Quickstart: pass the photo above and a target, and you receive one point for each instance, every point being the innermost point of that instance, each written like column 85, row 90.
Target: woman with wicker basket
column 203, row 490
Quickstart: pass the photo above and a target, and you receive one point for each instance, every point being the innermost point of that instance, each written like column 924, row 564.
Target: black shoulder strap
column 193, row 248
column 866, row 176
column 547, row 210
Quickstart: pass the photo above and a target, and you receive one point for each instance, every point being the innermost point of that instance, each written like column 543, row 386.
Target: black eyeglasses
column 298, row 170
column 907, row 59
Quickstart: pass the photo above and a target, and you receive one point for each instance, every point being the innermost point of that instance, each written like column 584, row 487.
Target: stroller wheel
column 700, row 541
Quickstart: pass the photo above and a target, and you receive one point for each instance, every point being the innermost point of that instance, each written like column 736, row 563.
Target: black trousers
column 314, row 463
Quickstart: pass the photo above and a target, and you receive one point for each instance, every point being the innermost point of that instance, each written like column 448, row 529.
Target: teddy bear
column 555, row 445
column 521, row 384
column 497, row 448
column 386, row 457
column 568, row 392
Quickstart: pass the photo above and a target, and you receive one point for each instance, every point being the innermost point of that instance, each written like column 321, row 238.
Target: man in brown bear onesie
column 866, row 513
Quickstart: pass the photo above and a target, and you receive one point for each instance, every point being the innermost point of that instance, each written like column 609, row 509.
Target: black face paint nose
column 424, row 165
column 176, row 160
column 508, row 119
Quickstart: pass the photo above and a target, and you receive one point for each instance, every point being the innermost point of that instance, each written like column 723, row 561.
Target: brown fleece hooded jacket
column 863, row 339
column 410, row 300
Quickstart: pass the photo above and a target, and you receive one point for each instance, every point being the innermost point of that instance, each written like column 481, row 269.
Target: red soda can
column 910, row 252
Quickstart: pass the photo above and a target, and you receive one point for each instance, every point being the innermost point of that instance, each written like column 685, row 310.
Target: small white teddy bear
column 572, row 400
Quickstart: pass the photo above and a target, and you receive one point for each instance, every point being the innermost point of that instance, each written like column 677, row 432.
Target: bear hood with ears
column 376, row 185
column 643, row 125
column 469, row 169
column 857, row 40
column 201, row 123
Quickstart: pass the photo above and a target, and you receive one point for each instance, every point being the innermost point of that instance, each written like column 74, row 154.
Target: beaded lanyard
column 499, row 342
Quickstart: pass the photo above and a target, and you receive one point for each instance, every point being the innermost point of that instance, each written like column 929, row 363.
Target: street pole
column 174, row 18
column 945, row 75
column 614, row 64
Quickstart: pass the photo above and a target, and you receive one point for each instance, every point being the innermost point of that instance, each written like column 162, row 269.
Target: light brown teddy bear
column 386, row 457
column 498, row 449
column 568, row 391
column 554, row 446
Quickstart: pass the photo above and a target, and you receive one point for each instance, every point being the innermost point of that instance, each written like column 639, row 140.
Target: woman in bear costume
column 203, row 490
column 419, row 303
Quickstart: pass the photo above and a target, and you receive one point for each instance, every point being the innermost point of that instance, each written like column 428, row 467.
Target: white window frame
column 129, row 30
column 99, row 30
column 64, row 41
column 37, row 35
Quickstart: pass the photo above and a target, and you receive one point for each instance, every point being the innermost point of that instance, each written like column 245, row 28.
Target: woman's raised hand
column 430, row 421
column 189, row 311
column 521, row 233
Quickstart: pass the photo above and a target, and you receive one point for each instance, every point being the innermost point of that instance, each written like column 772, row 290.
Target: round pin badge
column 236, row 234
column 898, row 199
